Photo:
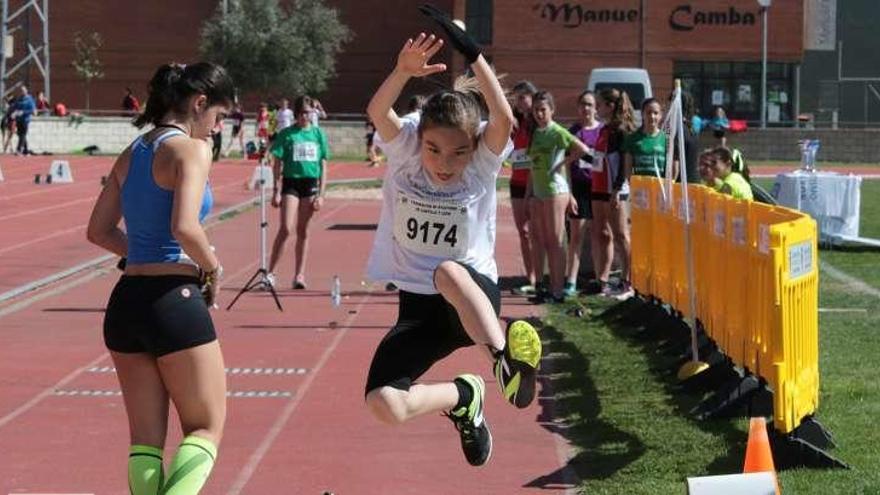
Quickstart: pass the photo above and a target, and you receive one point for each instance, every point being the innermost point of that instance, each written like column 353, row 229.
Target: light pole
column 765, row 6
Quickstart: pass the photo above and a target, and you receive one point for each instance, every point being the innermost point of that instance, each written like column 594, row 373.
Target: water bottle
column 336, row 292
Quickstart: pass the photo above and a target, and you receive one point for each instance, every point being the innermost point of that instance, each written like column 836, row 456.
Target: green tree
column 85, row 60
column 273, row 50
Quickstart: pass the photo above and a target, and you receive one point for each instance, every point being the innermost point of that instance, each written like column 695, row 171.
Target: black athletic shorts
column 580, row 190
column 517, row 191
column 427, row 330
column 301, row 188
column 157, row 315
column 236, row 130
column 718, row 133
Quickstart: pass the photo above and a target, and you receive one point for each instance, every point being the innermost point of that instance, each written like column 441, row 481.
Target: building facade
column 713, row 46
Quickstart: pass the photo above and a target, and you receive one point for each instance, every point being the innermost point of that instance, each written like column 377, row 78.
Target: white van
column 635, row 82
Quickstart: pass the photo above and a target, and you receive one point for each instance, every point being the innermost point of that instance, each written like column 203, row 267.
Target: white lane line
column 254, row 461
column 43, row 238
column 12, row 308
column 46, row 208
column 98, row 261
column 54, row 277
column 854, row 283
column 86, row 200
column 95, row 262
column 50, row 391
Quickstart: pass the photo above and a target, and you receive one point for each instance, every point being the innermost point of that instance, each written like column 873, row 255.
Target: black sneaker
column 516, row 366
column 476, row 440
column 539, row 298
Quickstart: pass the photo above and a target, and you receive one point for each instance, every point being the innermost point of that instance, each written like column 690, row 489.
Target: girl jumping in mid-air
column 436, row 242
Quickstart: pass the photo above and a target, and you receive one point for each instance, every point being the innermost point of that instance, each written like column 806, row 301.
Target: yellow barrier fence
column 756, row 282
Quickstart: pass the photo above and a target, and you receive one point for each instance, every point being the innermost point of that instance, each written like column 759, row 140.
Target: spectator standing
column 551, row 149
column 8, row 123
column 237, row 117
column 372, row 151
column 318, row 112
column 645, row 149
column 217, row 139
column 157, row 326
column 610, row 191
column 587, row 130
column 43, row 106
column 130, row 102
column 24, row 109
column 283, row 116
column 719, row 125
column 300, row 155
column 524, row 126
column 262, row 129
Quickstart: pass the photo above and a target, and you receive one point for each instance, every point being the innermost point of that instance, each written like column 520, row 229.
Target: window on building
column 736, row 86
column 478, row 20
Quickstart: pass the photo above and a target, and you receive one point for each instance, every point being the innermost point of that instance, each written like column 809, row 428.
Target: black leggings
column 427, row 330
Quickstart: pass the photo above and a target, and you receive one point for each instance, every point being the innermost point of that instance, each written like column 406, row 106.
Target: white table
column 831, row 198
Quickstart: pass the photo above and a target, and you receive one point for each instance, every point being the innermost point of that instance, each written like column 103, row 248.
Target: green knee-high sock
column 145, row 473
column 190, row 467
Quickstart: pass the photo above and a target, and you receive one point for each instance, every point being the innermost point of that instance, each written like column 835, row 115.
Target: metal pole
column 797, row 96
column 4, row 31
column 764, row 70
column 47, row 82
column 264, row 225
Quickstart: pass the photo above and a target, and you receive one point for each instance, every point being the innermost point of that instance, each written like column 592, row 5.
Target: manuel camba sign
column 682, row 18
column 686, row 18
column 574, row 15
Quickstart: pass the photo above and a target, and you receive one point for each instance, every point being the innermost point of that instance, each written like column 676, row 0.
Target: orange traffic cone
column 759, row 457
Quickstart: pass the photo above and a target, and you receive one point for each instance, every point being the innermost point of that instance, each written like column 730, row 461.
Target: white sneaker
column 270, row 279
column 623, row 292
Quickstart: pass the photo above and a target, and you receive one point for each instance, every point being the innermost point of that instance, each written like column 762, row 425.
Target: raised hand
column 457, row 36
column 415, row 56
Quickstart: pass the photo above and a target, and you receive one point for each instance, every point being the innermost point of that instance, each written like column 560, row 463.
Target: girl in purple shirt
column 587, row 130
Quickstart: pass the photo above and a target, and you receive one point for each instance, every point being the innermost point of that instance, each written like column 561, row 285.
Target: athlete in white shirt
column 284, row 118
column 436, row 242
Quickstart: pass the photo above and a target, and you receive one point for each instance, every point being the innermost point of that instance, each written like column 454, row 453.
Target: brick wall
column 553, row 42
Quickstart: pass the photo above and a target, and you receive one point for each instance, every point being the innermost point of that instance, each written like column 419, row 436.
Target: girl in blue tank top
column 157, row 326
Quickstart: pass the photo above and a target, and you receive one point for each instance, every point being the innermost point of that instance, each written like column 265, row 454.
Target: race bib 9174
column 305, row 152
column 431, row 227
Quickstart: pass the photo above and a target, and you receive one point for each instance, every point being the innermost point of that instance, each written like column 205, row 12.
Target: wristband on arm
column 460, row 40
column 208, row 280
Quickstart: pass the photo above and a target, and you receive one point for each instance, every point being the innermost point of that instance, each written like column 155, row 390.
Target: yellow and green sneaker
column 516, row 366
column 476, row 440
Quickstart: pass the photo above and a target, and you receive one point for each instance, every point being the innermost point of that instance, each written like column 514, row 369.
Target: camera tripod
column 259, row 281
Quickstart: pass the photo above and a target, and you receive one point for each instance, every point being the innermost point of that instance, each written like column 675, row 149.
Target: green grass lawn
column 631, row 425
column 860, row 262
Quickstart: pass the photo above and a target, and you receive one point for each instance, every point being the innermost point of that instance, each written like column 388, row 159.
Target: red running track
column 57, row 438
column 42, row 226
